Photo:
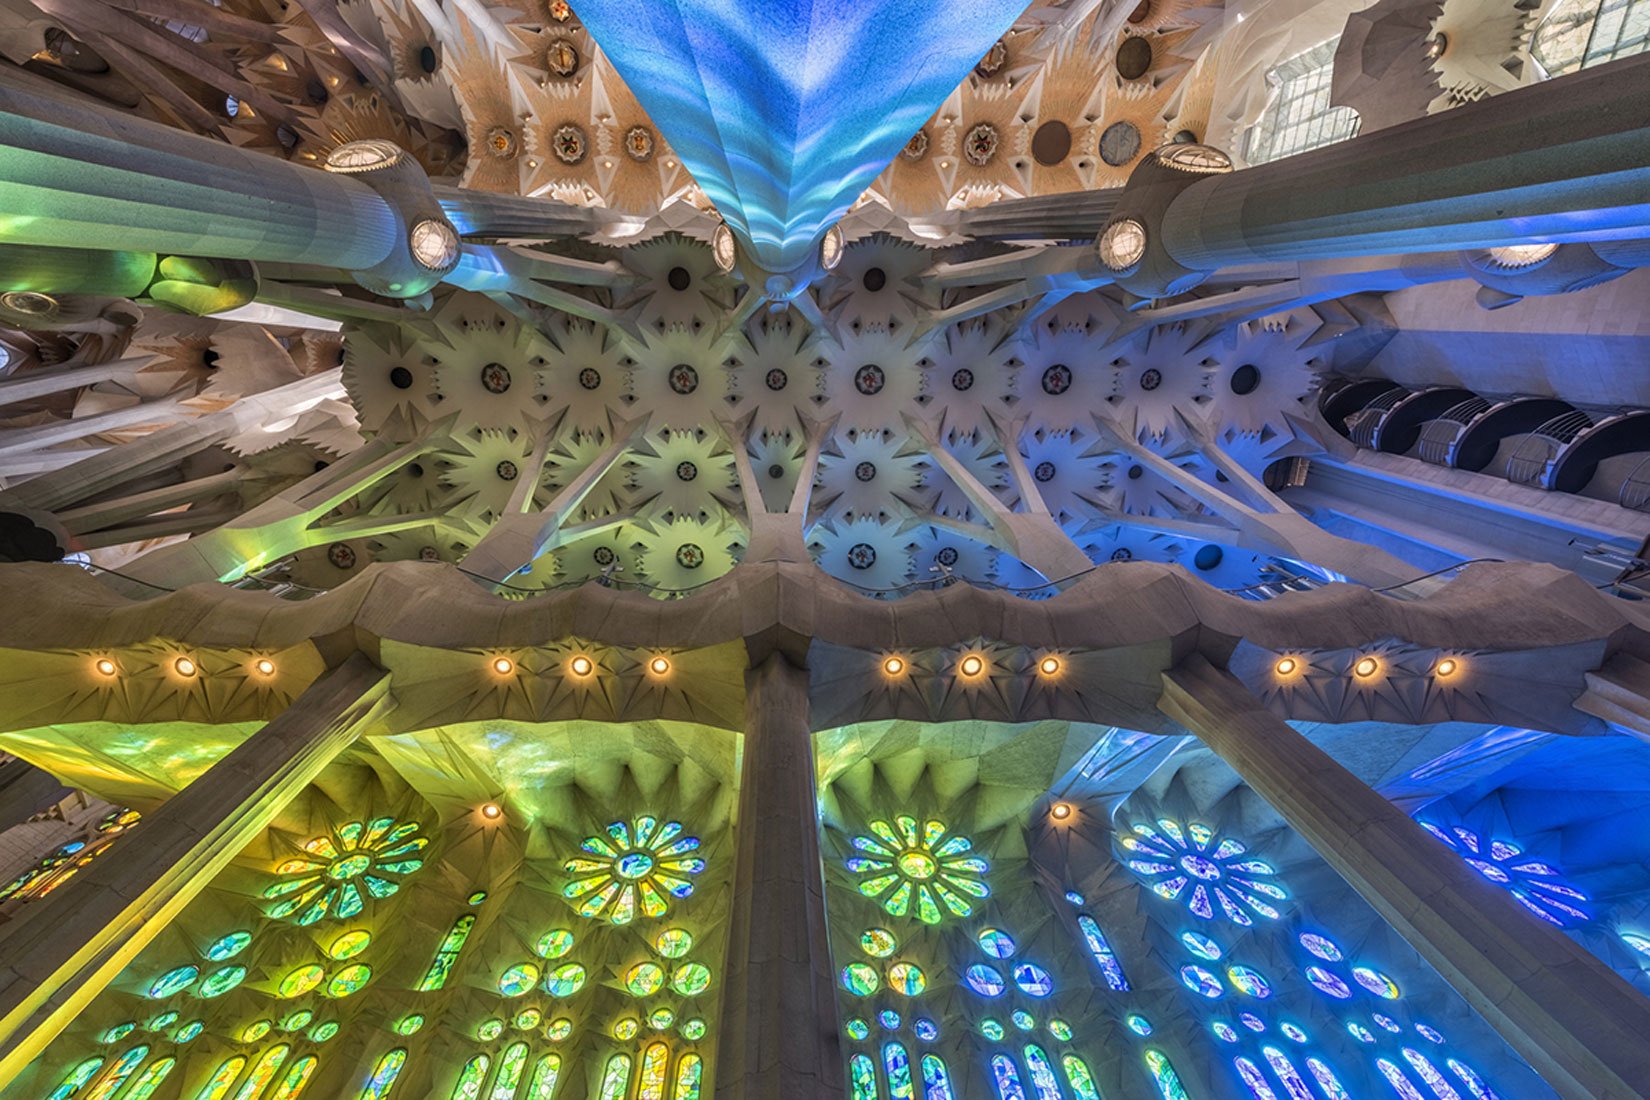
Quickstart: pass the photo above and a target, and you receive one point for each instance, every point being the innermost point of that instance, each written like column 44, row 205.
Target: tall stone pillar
column 60, row 955
column 1579, row 1024
column 779, row 1021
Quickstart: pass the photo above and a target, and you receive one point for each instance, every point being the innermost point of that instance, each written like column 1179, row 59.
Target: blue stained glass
column 1139, row 1025
column 383, row 1076
column 1360, row 1032
column 997, row 943
column 1292, row 1080
column 1430, row 1034
column 1327, row 1081
column 1249, row 981
column 863, row 1073
column 936, row 1082
column 1328, row 983
column 1473, row 1082
column 1293, row 1032
column 1201, row 946
column 1074, row 897
column 1252, row 1022
column 889, row 1019
column 1226, row 1033
column 1043, row 1081
column 1168, row 1081
column 1252, row 1077
column 1033, row 980
column 927, row 1030
column 1436, row 1081
column 1079, row 1077
column 1321, row 946
column 1102, row 952
column 1400, row 1084
column 898, row 1066
column 76, row 1079
column 1007, row 1078
column 985, row 980
column 1200, row 981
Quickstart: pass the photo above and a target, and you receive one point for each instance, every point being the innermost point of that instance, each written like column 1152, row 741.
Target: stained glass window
column 329, row 878
column 1168, row 1082
column 558, row 942
column 118, row 1074
column 263, row 1071
column 1475, row 1084
column 897, row 1064
column 1435, row 1081
column 616, row 1078
column 1536, row 885
column 1327, row 1081
column 936, row 1081
column 1007, row 1077
column 222, row 980
column 1288, row 1074
column 862, row 1072
column 76, row 1079
column 68, row 859
column 545, row 1075
column 1079, row 1077
column 985, row 980
column 173, row 982
column 1254, row 1079
column 1202, row 874
column 654, row 1076
column 297, row 1078
column 471, row 1078
column 441, row 967
column 918, row 866
column 150, row 1079
column 1102, row 952
column 223, row 1079
column 511, row 1065
column 1041, row 1072
column 689, row 1072
column 383, row 1076
column 229, row 946
column 637, row 867
column 1395, row 1077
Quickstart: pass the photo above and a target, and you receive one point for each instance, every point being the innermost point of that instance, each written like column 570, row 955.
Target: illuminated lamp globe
column 1436, row 45
column 434, row 244
column 1060, row 811
column 659, row 666
column 1198, row 159
column 972, row 665
column 1446, row 668
column 1123, row 244
column 363, row 156
column 503, row 666
column 1515, row 256
column 724, row 248
column 894, row 666
column 831, row 247
column 264, row 666
column 106, row 666
column 1286, row 666
column 1366, row 667
column 185, row 666
column 492, row 811
column 1048, row 666
column 581, row 665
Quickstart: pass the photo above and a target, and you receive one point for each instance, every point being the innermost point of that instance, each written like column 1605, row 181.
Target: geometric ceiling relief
column 386, row 932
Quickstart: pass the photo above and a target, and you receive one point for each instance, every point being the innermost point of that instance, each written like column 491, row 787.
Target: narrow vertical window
column 689, row 1071
column 1007, row 1078
column 441, row 967
column 936, row 1082
column 150, row 1079
column 1079, row 1077
column 1400, row 1084
column 118, row 1074
column 383, row 1075
column 1474, row 1083
column 1288, row 1074
column 863, row 1072
column 263, row 1071
column 1437, row 1082
column 1043, row 1081
column 223, row 1079
column 616, row 1078
column 471, row 1078
column 897, row 1064
column 77, row 1078
column 1168, row 1081
column 655, row 1061
column 1102, row 952
column 297, row 1078
column 544, row 1079
column 1254, row 1079
column 511, row 1064
column 1327, row 1081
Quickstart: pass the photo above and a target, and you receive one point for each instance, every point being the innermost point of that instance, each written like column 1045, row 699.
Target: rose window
column 1187, row 865
column 905, row 866
column 331, row 875
column 637, row 867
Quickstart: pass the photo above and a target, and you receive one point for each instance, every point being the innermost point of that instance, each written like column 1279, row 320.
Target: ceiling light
column 894, row 666
column 1286, row 666
column 264, row 666
column 724, row 248
column 581, row 665
column 972, row 665
column 831, row 247
column 492, row 811
column 434, row 244
column 1514, row 256
column 185, row 666
column 1446, row 668
column 1123, row 244
column 659, row 666
column 503, row 666
column 1366, row 667
column 106, row 666
column 1060, row 811
column 1049, row 665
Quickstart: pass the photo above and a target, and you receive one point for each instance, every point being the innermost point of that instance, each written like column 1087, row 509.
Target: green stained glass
column 172, row 982
column 263, row 1071
column 383, row 1076
column 992, row 1030
column 1023, row 1020
column 644, row 979
column 660, row 1018
column 559, row 1029
column 689, row 1071
column 256, row 1030
column 860, row 980
column 564, row 981
column 471, row 1078
column 555, row 943
column 693, row 1030
column 857, row 1030
column 1168, row 1082
column 518, row 980
column 476, row 898
column 616, row 1078
column 222, row 980
column 690, row 979
column 1081, row 1080
column 229, row 946
column 511, row 1065
column 223, row 1079
column 322, row 1032
column 897, row 1064
column 190, row 1030
column 545, row 1074
column 352, row 979
column 488, row 1030
column 673, row 943
column 878, row 943
column 162, row 1022
column 863, row 1072
column 350, row 944
column 76, row 1079
column 119, row 1031
column 297, row 1021
column 654, row 1075
column 409, row 1024
column 441, row 967
column 625, row 1029
column 350, row 833
column 1060, row 1030
column 296, row 1079
column 907, row 978
column 636, row 870
column 300, row 981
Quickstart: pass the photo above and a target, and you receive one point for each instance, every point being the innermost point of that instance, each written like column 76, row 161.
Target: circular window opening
column 1136, row 473
column 1245, row 379
column 1051, row 143
column 1142, row 11
column 401, row 378
column 1207, row 557
column 426, row 59
column 679, row 279
column 1134, row 57
column 874, row 279
column 1119, row 144
column 1185, row 137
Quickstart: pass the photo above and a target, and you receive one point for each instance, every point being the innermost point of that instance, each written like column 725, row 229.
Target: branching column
column 779, row 1022
column 1572, row 1018
column 66, row 948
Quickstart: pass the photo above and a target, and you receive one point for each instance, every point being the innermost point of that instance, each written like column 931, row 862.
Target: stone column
column 779, row 1021
column 1579, row 1024
column 65, row 949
